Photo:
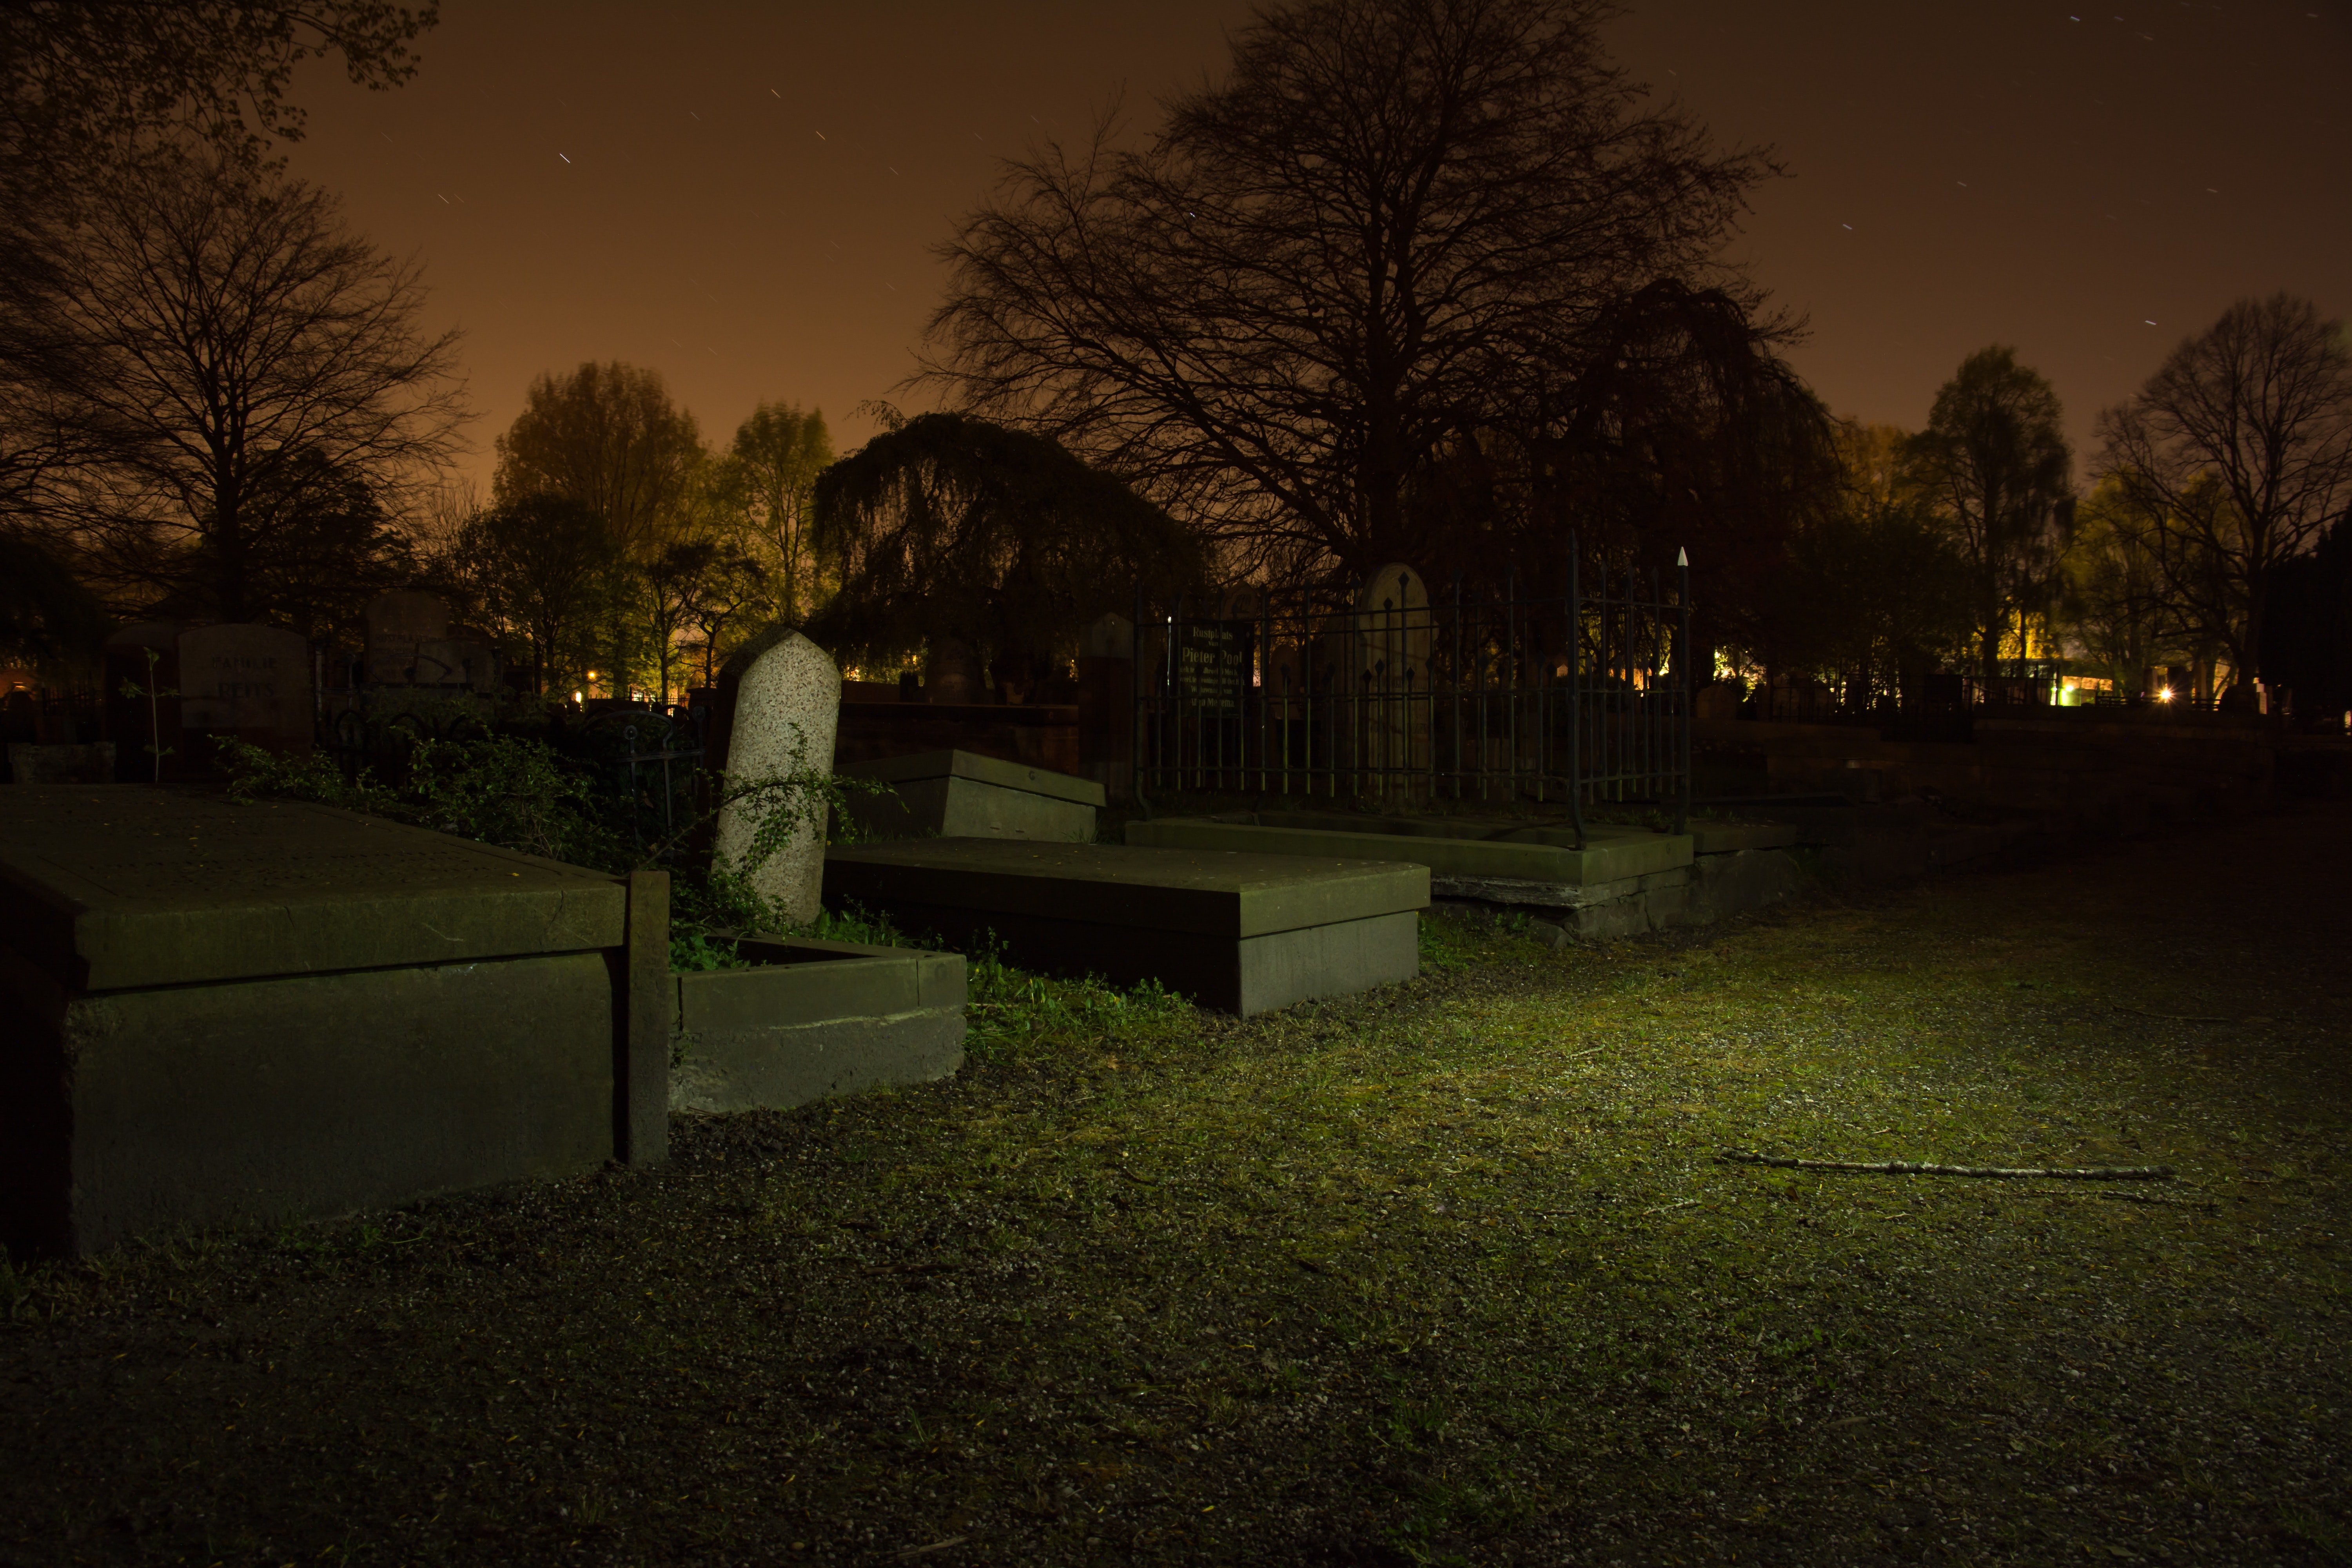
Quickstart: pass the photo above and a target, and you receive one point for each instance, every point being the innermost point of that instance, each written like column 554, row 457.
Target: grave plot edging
column 302, row 1096
column 819, row 1020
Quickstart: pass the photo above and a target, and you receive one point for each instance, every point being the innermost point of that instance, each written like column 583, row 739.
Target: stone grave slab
column 780, row 700
column 1241, row 931
column 1734, row 837
column 815, row 1019
column 1449, row 847
column 963, row 794
column 212, row 1013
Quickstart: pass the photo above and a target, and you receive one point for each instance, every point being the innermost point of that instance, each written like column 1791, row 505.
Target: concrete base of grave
column 1240, row 932
column 300, row 1096
column 30, row 763
column 963, row 794
column 1449, row 846
column 814, row 1020
column 214, row 1013
column 1736, row 882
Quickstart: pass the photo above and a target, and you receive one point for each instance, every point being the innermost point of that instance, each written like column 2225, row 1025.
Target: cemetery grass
column 1450, row 1273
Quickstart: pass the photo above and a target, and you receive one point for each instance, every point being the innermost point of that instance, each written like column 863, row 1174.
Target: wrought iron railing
column 1394, row 692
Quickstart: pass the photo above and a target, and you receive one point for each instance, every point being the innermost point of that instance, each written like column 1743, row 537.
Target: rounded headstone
column 786, row 708
column 398, row 623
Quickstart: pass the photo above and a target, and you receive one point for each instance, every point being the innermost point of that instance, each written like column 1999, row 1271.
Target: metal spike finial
column 1682, row 557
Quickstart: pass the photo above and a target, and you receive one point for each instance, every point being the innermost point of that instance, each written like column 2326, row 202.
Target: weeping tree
column 949, row 527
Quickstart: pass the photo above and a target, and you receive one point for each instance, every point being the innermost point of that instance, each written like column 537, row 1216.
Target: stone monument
column 398, row 625
column 253, row 682
column 780, row 700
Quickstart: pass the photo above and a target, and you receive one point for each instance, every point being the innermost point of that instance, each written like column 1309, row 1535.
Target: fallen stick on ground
column 2168, row 1017
column 1911, row 1168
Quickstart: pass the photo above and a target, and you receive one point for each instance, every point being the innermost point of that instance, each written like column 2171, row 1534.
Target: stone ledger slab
column 1241, row 931
column 212, row 1012
column 815, row 1019
column 1525, row 856
column 963, row 794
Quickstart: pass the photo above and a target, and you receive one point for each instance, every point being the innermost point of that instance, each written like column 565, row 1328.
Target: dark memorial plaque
column 1213, row 665
column 212, row 1013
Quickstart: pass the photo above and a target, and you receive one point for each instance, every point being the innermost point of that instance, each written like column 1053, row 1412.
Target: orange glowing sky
column 745, row 196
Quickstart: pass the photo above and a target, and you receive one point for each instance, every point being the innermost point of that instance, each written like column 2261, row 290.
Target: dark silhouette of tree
column 539, row 566
column 104, row 81
column 47, row 619
column 2237, row 452
column 92, row 89
column 950, row 527
column 214, row 343
column 2307, row 632
column 1994, row 463
column 1873, row 590
column 319, row 545
column 1398, row 240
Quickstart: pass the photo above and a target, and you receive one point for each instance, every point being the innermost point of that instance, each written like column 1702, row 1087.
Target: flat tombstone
column 212, row 1013
column 253, row 682
column 1243, row 932
column 787, row 708
column 960, row 794
column 398, row 624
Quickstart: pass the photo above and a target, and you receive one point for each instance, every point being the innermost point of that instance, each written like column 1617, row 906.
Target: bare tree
column 1397, row 225
column 227, row 359
column 2238, row 452
column 1994, row 462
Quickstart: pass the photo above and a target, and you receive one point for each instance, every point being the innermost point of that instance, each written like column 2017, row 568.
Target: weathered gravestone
column 963, row 794
column 1242, row 933
column 781, row 702
column 250, row 682
column 951, row 675
column 399, row 624
column 212, row 1013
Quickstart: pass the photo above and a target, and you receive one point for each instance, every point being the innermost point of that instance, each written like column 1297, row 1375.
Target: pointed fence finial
column 1682, row 557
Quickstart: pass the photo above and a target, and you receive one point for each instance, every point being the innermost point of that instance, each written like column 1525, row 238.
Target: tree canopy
column 1994, row 462
column 234, row 384
column 2236, row 454
column 1398, row 245
column 950, row 526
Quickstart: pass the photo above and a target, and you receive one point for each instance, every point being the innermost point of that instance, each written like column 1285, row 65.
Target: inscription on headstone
column 250, row 681
column 787, row 707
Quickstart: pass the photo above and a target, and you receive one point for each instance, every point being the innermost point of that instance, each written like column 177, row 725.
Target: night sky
column 744, row 196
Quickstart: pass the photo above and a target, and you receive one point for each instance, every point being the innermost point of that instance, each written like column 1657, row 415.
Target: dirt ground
column 1449, row 1273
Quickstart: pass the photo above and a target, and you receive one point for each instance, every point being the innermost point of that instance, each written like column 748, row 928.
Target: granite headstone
column 786, row 710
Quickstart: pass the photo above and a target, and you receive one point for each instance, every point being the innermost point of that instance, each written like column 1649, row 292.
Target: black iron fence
column 1395, row 691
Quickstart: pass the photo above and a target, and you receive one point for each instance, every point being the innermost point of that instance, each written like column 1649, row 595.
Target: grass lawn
column 1446, row 1273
